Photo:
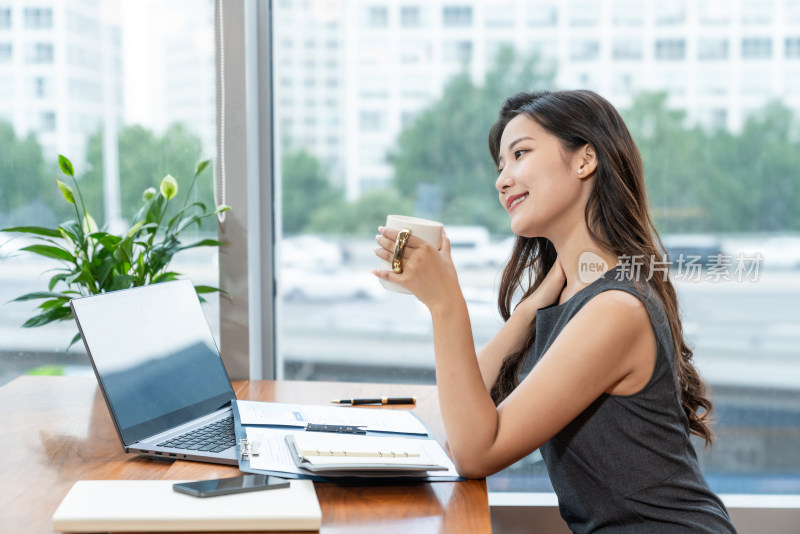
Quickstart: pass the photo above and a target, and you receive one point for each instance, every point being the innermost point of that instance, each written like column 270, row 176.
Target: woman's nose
column 504, row 180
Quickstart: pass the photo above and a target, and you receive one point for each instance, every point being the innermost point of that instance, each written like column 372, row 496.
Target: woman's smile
column 514, row 200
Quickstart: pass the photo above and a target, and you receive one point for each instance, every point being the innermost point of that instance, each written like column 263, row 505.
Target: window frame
column 251, row 230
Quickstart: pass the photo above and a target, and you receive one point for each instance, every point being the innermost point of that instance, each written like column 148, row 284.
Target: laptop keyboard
column 215, row 437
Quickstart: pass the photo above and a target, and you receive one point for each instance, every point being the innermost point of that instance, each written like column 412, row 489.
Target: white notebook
column 322, row 451
column 152, row 505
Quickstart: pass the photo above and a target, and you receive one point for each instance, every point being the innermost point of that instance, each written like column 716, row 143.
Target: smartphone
column 225, row 486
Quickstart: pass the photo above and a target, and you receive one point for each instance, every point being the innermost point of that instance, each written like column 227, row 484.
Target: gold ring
column 399, row 247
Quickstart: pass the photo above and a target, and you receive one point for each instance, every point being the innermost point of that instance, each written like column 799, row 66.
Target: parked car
column 687, row 247
column 302, row 284
column 310, row 252
column 470, row 246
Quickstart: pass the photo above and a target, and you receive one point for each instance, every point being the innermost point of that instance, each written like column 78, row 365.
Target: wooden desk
column 57, row 430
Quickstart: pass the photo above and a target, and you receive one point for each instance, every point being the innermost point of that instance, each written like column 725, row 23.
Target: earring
column 580, row 171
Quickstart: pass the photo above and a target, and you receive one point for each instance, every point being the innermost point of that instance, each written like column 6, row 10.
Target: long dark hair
column 618, row 220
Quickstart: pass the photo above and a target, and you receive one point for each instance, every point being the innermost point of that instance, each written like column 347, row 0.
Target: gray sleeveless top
column 626, row 465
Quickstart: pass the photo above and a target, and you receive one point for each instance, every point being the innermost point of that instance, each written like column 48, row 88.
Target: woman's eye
column 518, row 153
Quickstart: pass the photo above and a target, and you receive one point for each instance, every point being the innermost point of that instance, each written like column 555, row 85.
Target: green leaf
column 154, row 210
column 109, row 241
column 210, row 289
column 105, row 270
column 40, row 295
column 165, row 277
column 56, row 279
column 56, row 314
column 50, row 252
column 121, row 281
column 124, row 251
column 66, row 190
column 180, row 213
column 169, row 187
column 66, row 166
column 38, row 230
column 205, row 243
column 206, row 289
column 49, row 304
column 187, row 222
column 73, row 277
column 135, row 228
column 74, row 230
column 221, row 208
column 201, row 166
column 74, row 340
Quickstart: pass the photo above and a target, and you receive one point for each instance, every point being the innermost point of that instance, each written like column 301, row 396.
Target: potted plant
column 95, row 261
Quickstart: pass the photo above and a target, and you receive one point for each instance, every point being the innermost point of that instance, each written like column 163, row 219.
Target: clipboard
column 250, row 451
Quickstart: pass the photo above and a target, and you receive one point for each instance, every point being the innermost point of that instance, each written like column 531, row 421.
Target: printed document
column 299, row 415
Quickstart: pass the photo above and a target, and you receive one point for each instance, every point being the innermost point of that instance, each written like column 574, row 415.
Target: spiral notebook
column 318, row 452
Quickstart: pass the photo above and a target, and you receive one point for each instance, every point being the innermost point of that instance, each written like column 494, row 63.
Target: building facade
column 350, row 75
column 60, row 71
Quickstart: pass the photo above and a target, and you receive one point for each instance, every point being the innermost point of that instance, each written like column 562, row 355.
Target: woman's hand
column 427, row 272
column 550, row 289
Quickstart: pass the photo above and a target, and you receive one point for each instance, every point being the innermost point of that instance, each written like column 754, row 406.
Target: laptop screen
column 154, row 356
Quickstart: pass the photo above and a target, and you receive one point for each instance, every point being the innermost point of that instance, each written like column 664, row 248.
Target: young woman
column 594, row 373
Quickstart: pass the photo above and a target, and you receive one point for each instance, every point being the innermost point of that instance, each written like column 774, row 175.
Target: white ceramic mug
column 430, row 231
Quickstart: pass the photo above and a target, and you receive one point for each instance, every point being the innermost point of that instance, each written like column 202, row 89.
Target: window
column 47, row 121
column 757, row 13
column 545, row 48
column 41, row 87
column 177, row 61
column 458, row 51
column 585, row 14
column 714, row 82
column 670, row 49
column 756, row 48
column 5, row 53
column 792, row 12
column 410, row 16
column 370, row 121
column 628, row 13
column 709, row 49
column 377, row 17
column 584, row 50
column 457, row 16
column 335, row 322
column 39, row 53
column 415, row 86
column 628, row 49
column 5, row 18
column 793, row 47
column 543, row 15
column 714, row 12
column 38, row 18
column 500, row 16
column 671, row 13
column 6, row 92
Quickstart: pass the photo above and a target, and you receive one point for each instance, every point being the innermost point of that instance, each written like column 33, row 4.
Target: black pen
column 381, row 400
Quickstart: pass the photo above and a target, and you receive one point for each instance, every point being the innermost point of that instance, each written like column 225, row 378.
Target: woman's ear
column 586, row 161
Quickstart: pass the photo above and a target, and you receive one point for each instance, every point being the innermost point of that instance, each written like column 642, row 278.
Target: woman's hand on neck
column 582, row 260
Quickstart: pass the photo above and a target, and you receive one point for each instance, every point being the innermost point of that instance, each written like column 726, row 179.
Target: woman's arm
column 586, row 360
column 511, row 337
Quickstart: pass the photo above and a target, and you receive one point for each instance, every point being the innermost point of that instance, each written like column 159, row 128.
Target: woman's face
column 538, row 183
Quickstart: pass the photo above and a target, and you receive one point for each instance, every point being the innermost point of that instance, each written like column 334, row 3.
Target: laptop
column 160, row 371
